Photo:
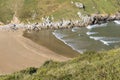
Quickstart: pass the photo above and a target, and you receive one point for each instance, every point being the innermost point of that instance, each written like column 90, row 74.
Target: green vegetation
column 87, row 66
column 33, row 10
column 6, row 13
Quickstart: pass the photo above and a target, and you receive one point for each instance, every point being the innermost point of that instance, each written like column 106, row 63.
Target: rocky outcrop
column 48, row 22
column 78, row 5
column 100, row 18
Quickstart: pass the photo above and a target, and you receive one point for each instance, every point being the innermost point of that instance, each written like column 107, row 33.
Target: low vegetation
column 88, row 66
column 34, row 10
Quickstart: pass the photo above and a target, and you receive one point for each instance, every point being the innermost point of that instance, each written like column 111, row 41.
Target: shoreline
column 47, row 39
column 58, row 50
column 49, row 33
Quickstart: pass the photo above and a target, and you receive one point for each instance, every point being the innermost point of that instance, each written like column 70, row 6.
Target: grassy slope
column 26, row 9
column 5, row 11
column 89, row 66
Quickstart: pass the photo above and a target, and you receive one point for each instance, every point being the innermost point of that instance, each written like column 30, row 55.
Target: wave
column 75, row 29
column 61, row 36
column 81, row 51
column 109, row 42
column 58, row 35
column 105, row 38
column 97, row 38
column 90, row 33
column 96, row 26
column 117, row 22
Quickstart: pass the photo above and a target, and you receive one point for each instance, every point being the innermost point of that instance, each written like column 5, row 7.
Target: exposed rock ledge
column 100, row 18
column 49, row 24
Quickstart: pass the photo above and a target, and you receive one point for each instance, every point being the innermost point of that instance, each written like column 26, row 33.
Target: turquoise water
column 92, row 38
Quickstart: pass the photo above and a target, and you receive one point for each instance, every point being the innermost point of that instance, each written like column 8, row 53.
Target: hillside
column 34, row 10
column 88, row 66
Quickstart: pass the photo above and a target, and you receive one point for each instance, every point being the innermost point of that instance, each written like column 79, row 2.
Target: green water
column 93, row 38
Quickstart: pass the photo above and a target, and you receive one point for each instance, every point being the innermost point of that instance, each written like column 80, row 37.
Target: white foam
column 117, row 22
column 109, row 42
column 59, row 36
column 96, row 38
column 78, row 50
column 96, row 26
column 75, row 29
column 105, row 42
column 105, row 38
column 90, row 33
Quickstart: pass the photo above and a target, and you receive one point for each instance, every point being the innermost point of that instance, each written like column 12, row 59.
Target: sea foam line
column 96, row 38
column 75, row 29
column 90, row 33
column 104, row 38
column 96, row 25
column 109, row 42
column 117, row 22
column 60, row 37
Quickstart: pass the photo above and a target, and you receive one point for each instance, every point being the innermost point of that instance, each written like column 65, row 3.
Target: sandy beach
column 47, row 39
column 18, row 52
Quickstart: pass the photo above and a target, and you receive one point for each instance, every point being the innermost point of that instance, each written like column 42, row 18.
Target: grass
column 34, row 10
column 88, row 66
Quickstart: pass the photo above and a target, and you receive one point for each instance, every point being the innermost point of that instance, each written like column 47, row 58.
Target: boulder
column 79, row 5
column 117, row 16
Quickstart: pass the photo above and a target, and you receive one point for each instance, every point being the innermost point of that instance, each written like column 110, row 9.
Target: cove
column 91, row 38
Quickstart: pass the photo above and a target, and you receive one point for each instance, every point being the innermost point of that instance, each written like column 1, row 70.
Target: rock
column 79, row 5
column 117, row 16
column 1, row 23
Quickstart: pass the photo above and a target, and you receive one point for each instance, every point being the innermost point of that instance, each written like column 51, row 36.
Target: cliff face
column 34, row 10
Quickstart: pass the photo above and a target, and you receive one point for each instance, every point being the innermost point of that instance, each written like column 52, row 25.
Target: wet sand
column 47, row 39
column 18, row 52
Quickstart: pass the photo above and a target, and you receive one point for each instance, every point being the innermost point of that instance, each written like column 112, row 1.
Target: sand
column 18, row 52
column 47, row 39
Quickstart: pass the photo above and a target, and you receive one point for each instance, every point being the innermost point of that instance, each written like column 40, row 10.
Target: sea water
column 92, row 38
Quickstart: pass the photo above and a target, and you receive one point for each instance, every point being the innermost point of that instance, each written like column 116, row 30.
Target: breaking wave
column 75, row 29
column 109, row 42
column 90, row 33
column 61, row 38
column 82, row 39
column 106, row 40
column 117, row 22
column 96, row 26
